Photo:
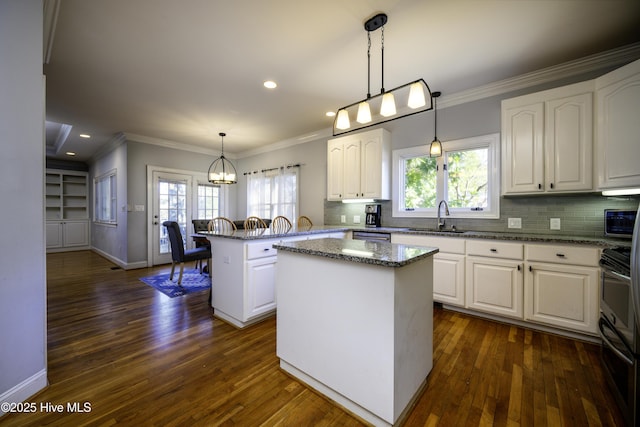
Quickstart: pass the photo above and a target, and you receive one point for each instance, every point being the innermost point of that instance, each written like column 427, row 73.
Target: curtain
column 273, row 192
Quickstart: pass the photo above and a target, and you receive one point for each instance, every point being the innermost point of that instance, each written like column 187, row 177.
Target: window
column 272, row 193
column 105, row 198
column 466, row 176
column 208, row 201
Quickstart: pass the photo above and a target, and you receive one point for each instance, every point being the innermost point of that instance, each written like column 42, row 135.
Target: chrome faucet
column 446, row 212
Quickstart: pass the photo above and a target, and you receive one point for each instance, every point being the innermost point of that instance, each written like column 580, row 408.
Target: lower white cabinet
column 494, row 285
column 68, row 234
column 448, row 265
column 261, row 286
column 562, row 288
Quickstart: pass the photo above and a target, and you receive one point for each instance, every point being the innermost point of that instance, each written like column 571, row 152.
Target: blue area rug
column 192, row 281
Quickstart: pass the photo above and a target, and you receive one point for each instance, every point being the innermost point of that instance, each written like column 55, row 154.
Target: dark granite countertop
column 268, row 233
column 366, row 252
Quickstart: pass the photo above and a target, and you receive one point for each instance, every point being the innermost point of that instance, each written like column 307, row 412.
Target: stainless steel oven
column 620, row 342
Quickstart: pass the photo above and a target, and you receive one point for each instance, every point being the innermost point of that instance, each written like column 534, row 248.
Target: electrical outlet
column 554, row 223
column 226, row 259
column 356, row 219
column 515, row 223
column 343, row 219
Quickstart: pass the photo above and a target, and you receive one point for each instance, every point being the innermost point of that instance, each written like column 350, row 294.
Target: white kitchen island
column 355, row 322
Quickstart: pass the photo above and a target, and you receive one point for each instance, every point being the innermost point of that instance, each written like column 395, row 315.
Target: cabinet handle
column 551, row 185
column 530, row 269
column 266, row 249
column 519, row 267
column 560, row 255
column 493, row 250
column 539, row 186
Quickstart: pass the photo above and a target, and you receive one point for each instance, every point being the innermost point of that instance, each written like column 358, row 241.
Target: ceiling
column 183, row 71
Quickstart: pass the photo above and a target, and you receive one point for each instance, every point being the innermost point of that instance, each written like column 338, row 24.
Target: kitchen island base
column 360, row 334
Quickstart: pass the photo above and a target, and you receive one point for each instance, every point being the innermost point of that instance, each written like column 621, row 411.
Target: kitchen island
column 355, row 322
column 243, row 270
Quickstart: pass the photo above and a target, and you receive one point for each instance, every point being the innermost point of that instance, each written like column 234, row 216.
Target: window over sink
column 467, row 176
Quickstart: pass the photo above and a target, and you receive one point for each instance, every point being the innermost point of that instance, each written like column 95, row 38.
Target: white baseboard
column 25, row 389
column 119, row 262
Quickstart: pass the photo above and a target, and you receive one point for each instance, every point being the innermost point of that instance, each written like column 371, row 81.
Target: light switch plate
column 343, row 219
column 356, row 219
column 515, row 223
column 554, row 223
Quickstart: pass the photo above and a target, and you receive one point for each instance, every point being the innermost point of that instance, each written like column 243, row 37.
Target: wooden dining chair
column 304, row 222
column 222, row 225
column 281, row 224
column 253, row 222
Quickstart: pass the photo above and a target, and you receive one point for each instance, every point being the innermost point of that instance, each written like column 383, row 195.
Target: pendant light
column 435, row 149
column 222, row 170
column 382, row 108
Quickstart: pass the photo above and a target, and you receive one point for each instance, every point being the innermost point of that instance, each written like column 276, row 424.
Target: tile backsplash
column 580, row 215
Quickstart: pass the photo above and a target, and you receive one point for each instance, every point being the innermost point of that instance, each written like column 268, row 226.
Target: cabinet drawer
column 261, row 249
column 573, row 255
column 495, row 249
column 451, row 245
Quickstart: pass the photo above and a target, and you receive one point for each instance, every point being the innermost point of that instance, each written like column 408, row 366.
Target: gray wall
column 23, row 361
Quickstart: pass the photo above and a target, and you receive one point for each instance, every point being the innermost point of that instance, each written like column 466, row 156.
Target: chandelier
column 415, row 97
column 222, row 170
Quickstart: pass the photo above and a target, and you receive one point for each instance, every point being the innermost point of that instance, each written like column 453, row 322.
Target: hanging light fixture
column 435, row 149
column 222, row 170
column 382, row 108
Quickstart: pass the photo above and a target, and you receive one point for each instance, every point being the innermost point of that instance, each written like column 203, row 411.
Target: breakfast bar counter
column 355, row 322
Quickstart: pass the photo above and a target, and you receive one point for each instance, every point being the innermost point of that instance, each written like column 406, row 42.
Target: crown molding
column 610, row 58
column 117, row 140
column 302, row 139
column 173, row 144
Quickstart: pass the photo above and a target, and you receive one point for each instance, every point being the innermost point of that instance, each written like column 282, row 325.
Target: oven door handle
column 621, row 355
column 617, row 275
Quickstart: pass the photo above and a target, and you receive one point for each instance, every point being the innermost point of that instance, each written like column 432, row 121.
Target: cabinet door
column 448, row 278
column 562, row 295
column 54, row 235
column 75, row 233
column 335, row 170
column 261, row 290
column 568, row 143
column 618, row 127
column 522, row 148
column 371, row 168
column 351, row 170
column 494, row 286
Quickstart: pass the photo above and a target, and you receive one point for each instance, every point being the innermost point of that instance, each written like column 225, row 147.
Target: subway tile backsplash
column 580, row 215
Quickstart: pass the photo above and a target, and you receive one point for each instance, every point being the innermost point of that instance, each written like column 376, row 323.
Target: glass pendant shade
column 222, row 170
column 435, row 149
column 364, row 113
column 388, row 107
column 342, row 121
column 416, row 96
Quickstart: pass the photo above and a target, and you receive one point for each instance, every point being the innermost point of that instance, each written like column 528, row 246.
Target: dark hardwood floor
column 140, row 358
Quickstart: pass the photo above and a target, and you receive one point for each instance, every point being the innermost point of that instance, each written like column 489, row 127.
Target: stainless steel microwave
column 619, row 223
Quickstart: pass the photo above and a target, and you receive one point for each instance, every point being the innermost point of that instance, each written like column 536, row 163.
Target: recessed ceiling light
column 330, row 113
column 270, row 84
column 84, row 135
column 70, row 153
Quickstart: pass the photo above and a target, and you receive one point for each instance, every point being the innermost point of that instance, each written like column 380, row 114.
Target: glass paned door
column 172, row 202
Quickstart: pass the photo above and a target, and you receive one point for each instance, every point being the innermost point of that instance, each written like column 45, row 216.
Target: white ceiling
column 183, row 71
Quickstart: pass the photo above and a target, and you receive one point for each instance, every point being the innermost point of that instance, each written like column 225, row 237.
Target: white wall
column 22, row 264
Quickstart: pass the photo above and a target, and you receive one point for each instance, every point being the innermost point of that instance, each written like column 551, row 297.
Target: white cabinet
column 261, row 287
column 359, row 166
column 547, row 141
column 618, row 127
column 448, row 265
column 494, row 278
column 561, row 286
column 66, row 210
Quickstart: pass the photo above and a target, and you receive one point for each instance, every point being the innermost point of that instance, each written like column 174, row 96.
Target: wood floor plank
column 141, row 358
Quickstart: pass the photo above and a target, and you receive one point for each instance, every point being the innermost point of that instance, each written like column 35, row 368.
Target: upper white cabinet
column 547, row 143
column 358, row 166
column 618, row 127
column 67, row 210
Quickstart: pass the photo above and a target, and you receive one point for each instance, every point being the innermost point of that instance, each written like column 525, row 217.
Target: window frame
column 490, row 141
column 111, row 179
column 221, row 199
column 274, row 208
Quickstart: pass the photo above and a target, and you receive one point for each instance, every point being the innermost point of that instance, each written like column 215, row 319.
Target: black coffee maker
column 374, row 215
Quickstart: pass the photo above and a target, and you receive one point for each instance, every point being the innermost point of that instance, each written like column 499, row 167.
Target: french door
column 172, row 201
